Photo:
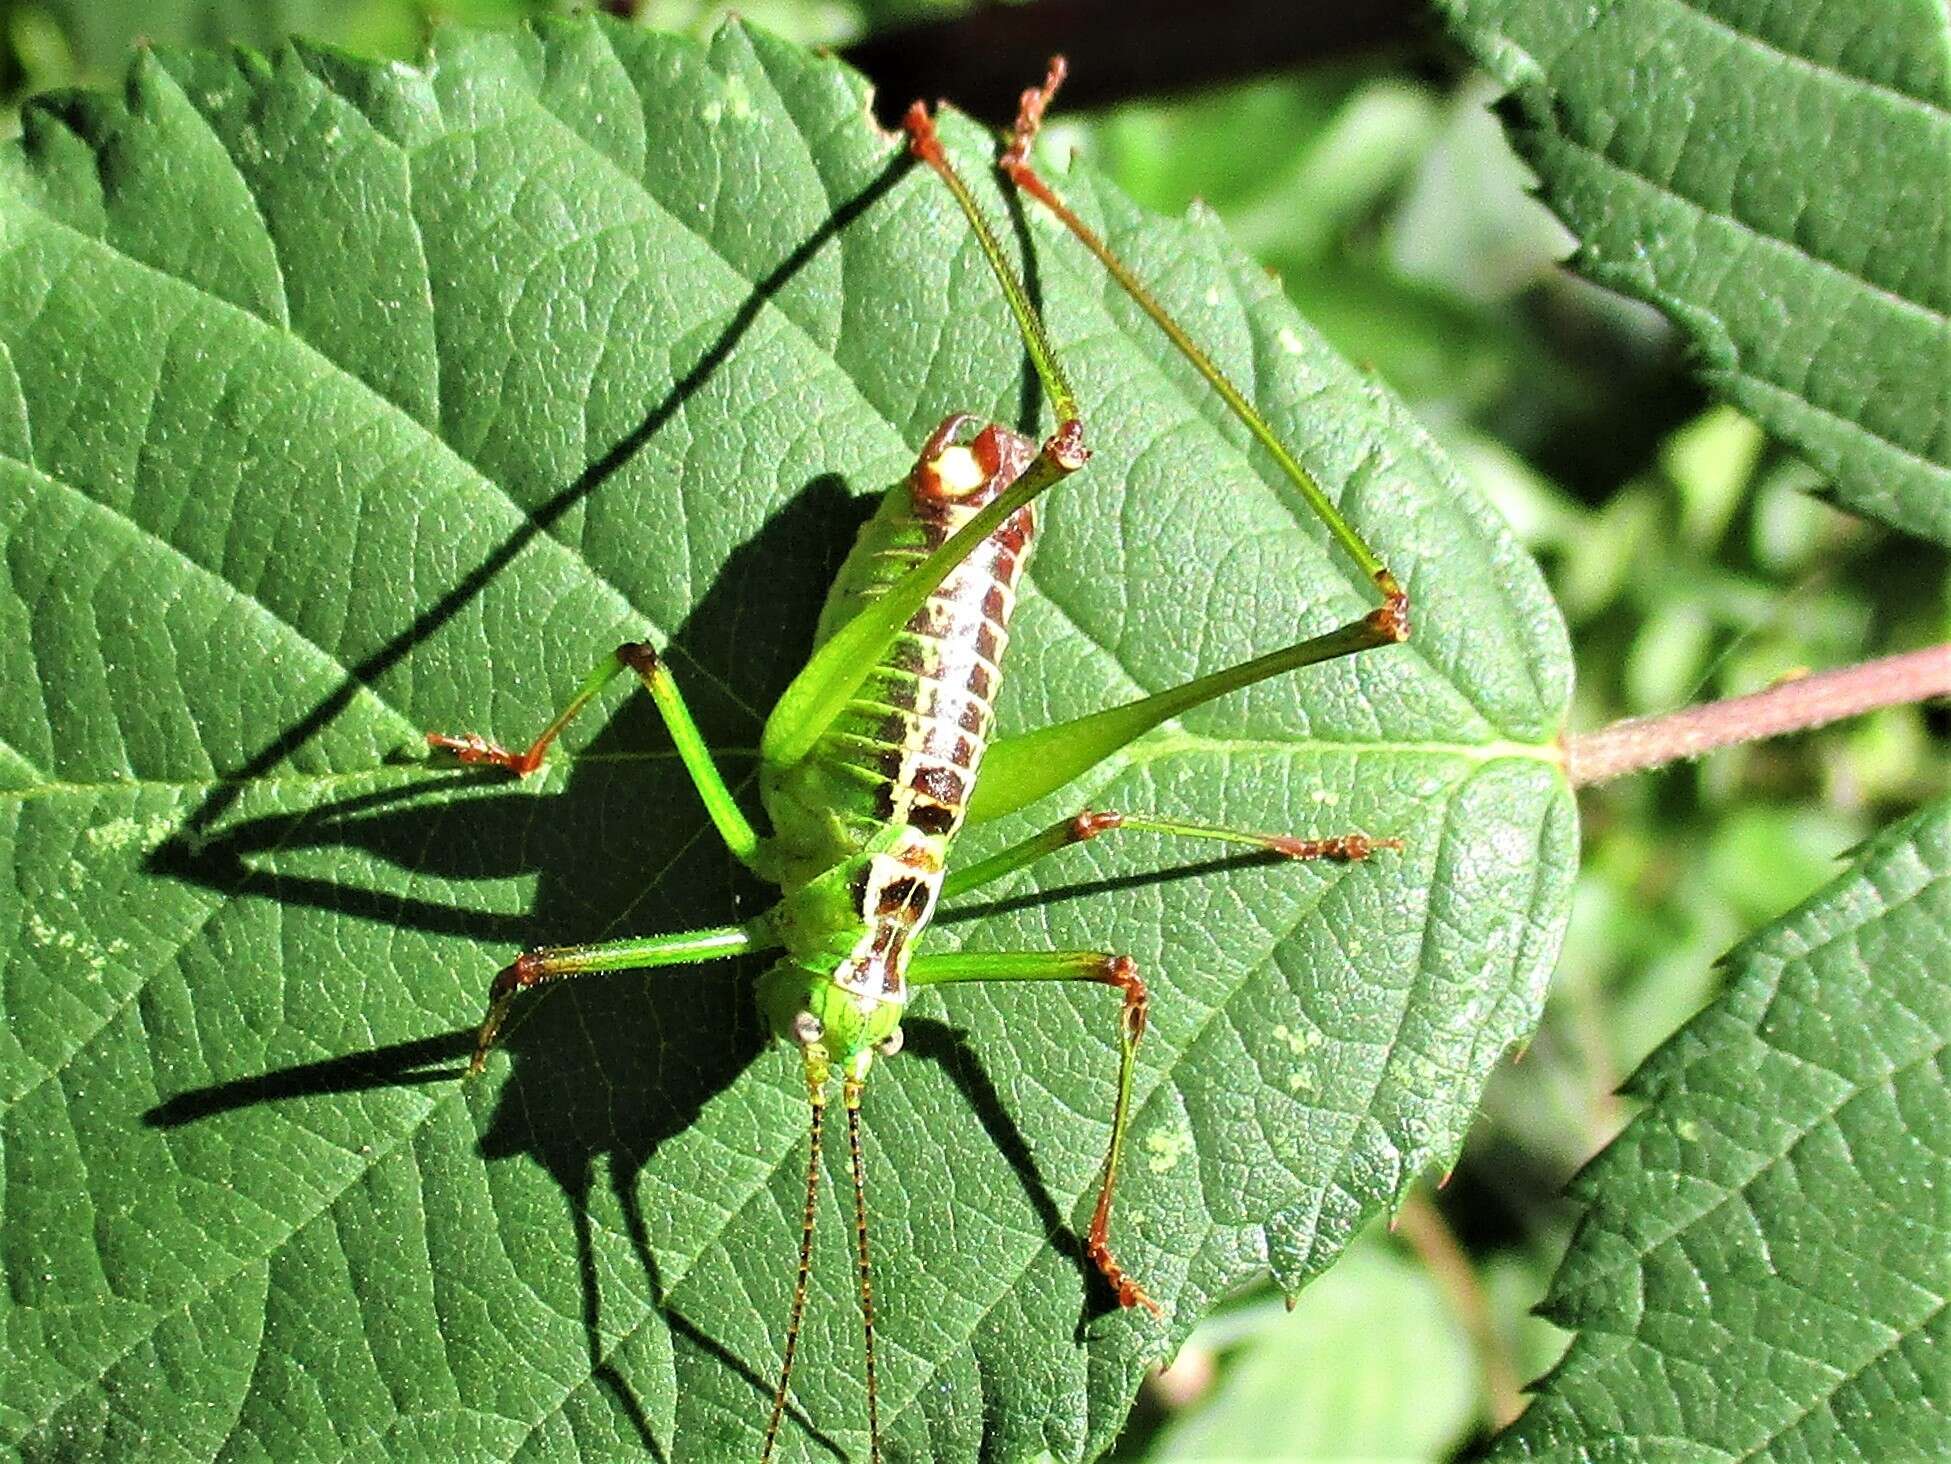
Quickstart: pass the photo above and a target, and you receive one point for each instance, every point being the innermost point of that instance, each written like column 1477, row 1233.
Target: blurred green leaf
column 341, row 400
column 1668, row 661
column 1538, row 510
column 1329, row 146
column 1372, row 1364
column 1330, row 149
column 1468, row 220
column 1763, row 859
column 100, row 32
column 1512, row 1284
column 1773, row 178
column 1763, row 1268
column 1711, row 461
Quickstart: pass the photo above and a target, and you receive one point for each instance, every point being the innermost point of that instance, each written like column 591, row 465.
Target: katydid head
column 839, row 1031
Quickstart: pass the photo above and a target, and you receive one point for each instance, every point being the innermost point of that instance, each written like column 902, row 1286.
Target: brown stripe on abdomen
column 929, row 704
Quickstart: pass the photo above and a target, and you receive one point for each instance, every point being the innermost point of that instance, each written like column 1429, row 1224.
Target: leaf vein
column 1850, row 79
column 1902, row 303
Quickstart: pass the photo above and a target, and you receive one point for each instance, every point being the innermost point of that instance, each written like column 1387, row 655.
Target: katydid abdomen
column 906, row 747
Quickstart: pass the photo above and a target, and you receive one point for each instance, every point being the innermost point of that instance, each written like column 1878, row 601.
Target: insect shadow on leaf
column 609, row 1103
column 870, row 757
column 436, row 818
column 426, row 623
column 409, row 826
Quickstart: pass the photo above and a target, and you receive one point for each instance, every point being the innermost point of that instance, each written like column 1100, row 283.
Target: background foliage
column 1686, row 549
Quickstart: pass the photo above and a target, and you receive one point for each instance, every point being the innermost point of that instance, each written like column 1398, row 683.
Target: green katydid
column 880, row 750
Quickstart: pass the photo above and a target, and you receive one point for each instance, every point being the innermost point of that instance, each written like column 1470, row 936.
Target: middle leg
column 638, row 656
column 546, row 964
column 1089, row 824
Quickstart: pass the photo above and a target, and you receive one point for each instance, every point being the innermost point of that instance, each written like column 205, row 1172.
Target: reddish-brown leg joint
column 1391, row 620
column 524, row 972
column 1066, row 445
column 1122, row 972
column 528, row 968
column 638, row 656
column 922, row 141
column 1092, row 822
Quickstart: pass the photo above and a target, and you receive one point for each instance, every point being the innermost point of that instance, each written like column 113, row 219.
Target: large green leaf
column 1763, row 1269
column 1773, row 177
column 340, row 401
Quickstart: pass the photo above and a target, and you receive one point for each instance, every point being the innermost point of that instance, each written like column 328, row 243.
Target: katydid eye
column 807, row 1029
column 891, row 1043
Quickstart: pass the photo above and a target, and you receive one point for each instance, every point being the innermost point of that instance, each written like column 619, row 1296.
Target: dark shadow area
column 623, row 847
column 604, row 1068
column 457, row 824
column 942, row 1044
column 401, row 1065
column 1120, row 50
column 600, row 1367
column 1044, row 899
column 1029, row 396
column 427, row 622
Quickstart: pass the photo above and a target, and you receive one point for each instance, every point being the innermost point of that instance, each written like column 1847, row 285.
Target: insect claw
column 1030, row 107
column 475, row 750
column 484, row 1039
column 1128, row 1291
column 920, row 127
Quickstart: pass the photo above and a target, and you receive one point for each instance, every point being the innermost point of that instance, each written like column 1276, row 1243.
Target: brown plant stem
column 1809, row 701
column 1421, row 1224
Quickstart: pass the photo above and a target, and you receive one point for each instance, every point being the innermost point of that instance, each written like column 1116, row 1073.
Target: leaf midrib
column 1849, row 80
column 1167, row 741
